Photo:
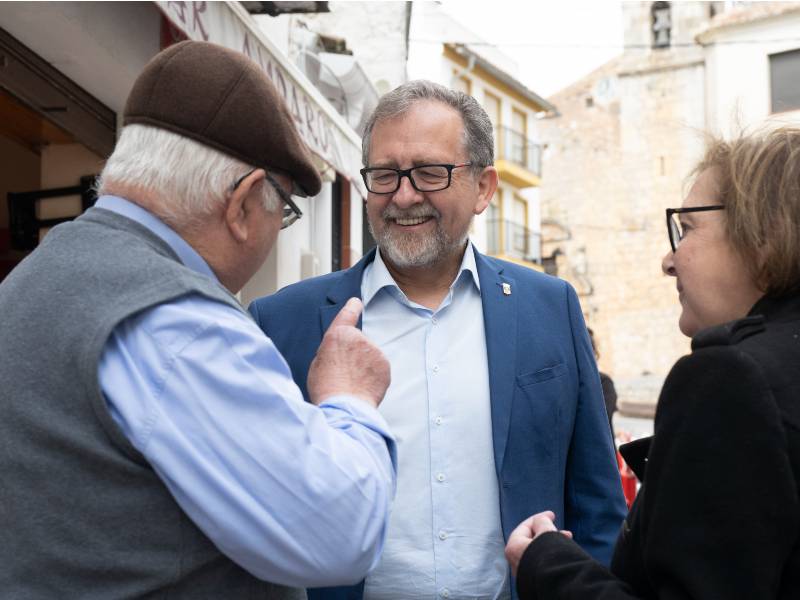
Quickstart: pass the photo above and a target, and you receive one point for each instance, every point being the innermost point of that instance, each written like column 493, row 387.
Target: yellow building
column 510, row 228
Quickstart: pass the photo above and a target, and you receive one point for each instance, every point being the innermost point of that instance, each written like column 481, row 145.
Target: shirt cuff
column 344, row 411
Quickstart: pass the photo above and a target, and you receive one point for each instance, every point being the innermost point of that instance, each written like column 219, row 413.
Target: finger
column 566, row 533
column 349, row 314
column 543, row 522
column 524, row 528
column 547, row 515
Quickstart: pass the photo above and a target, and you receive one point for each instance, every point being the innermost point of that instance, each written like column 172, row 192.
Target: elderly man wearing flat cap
column 152, row 441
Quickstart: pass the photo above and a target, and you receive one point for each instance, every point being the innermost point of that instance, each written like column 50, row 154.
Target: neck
column 214, row 246
column 427, row 285
column 208, row 237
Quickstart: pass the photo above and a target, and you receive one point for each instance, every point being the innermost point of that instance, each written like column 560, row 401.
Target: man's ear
column 487, row 184
column 237, row 208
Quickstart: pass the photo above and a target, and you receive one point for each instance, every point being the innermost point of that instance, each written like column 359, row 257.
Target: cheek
column 374, row 210
column 271, row 229
column 452, row 210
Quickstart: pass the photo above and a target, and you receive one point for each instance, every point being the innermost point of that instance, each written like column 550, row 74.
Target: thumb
column 349, row 314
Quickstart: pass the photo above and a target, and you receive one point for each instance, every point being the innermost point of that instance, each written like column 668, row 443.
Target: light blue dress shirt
column 445, row 538
column 294, row 493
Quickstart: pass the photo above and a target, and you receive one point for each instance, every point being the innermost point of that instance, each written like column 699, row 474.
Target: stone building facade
column 621, row 152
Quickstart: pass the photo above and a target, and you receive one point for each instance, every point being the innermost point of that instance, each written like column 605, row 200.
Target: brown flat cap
column 222, row 99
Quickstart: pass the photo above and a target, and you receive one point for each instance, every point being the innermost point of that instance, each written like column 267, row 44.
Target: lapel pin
column 507, row 289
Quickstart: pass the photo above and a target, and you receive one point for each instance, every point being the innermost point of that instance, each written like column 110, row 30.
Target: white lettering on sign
column 217, row 22
column 190, row 17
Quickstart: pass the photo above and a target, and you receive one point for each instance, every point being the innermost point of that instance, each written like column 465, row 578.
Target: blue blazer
column 552, row 443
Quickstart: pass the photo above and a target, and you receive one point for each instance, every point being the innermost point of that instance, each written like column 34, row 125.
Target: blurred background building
column 585, row 174
column 620, row 151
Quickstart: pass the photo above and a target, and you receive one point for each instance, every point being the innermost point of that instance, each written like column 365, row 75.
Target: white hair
column 193, row 179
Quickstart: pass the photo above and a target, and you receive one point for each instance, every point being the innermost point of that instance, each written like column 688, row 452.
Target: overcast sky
column 553, row 42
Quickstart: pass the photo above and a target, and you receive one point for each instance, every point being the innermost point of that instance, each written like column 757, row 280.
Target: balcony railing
column 513, row 240
column 514, row 147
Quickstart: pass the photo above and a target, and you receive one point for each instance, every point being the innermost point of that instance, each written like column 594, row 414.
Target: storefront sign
column 323, row 129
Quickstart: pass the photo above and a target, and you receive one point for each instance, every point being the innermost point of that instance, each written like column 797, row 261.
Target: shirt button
column 440, row 477
column 443, row 536
column 435, row 368
column 438, row 420
column 445, row 593
column 434, row 320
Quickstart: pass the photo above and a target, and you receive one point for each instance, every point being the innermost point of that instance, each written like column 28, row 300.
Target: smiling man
column 495, row 398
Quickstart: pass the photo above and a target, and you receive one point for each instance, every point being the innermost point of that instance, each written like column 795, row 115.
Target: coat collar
column 778, row 309
column 347, row 286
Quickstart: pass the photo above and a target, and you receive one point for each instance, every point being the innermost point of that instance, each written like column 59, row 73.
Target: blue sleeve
column 296, row 494
column 595, row 506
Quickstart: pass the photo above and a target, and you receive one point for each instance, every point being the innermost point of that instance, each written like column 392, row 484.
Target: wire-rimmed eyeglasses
column 291, row 212
column 674, row 227
column 424, row 178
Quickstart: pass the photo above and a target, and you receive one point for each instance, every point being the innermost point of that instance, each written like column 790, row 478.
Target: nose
column 406, row 195
column 668, row 264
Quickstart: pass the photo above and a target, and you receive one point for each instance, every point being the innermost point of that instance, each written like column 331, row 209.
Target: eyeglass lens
column 289, row 217
column 430, row 178
column 675, row 231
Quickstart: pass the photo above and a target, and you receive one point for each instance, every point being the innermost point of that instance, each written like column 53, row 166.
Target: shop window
column 784, row 73
column 462, row 84
column 491, row 104
column 519, row 236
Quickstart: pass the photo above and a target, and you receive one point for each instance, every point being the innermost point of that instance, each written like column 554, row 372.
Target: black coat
column 718, row 515
column 609, row 396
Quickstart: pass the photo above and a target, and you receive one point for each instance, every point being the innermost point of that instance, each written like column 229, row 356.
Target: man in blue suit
column 495, row 398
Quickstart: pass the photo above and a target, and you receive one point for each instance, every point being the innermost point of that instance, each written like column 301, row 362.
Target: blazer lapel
column 348, row 286
column 500, row 323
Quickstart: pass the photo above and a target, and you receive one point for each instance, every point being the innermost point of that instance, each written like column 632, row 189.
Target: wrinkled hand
column 347, row 362
column 525, row 533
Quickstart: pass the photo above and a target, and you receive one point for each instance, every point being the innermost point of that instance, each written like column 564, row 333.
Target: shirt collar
column 377, row 276
column 188, row 255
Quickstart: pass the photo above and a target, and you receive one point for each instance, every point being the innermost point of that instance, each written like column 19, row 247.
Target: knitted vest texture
column 82, row 513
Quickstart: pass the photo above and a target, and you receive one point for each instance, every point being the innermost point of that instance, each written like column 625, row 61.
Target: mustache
column 418, row 211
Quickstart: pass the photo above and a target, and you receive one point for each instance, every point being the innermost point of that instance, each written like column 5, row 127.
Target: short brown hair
column 478, row 130
column 759, row 183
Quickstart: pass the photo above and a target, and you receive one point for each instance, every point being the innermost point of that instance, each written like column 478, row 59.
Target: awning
column 324, row 130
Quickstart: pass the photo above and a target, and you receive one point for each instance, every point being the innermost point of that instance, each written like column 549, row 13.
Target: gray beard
column 411, row 250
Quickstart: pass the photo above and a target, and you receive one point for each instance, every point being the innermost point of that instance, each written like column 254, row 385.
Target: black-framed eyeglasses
column 674, row 227
column 424, row 178
column 291, row 212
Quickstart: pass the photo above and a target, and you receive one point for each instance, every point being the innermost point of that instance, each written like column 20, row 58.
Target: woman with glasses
column 718, row 513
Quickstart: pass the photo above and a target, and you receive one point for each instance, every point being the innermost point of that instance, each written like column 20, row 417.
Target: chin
column 687, row 326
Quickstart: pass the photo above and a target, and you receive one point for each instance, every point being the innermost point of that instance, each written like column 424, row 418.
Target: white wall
column 101, row 46
column 374, row 31
column 277, row 29
column 737, row 74
column 356, row 237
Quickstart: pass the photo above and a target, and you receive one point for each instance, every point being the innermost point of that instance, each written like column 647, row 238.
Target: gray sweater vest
column 82, row 513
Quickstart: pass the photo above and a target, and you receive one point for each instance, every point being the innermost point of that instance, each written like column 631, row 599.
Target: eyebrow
column 390, row 164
